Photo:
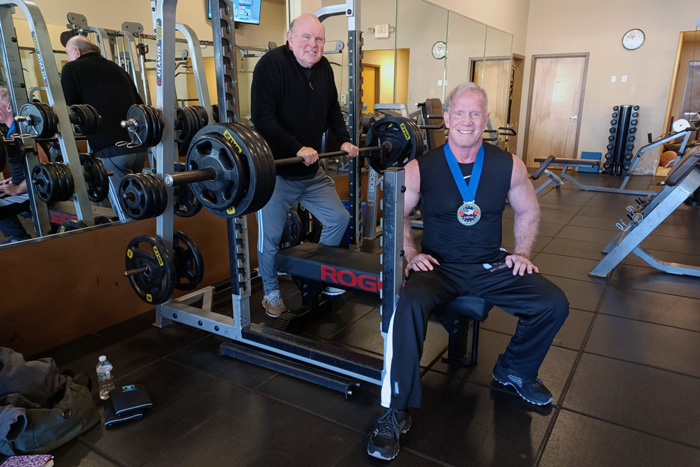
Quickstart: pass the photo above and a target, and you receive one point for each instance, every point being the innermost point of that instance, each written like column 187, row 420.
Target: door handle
column 575, row 117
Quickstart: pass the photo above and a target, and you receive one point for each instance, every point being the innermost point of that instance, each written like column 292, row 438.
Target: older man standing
column 293, row 101
column 89, row 78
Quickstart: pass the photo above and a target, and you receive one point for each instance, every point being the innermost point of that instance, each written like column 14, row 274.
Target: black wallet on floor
column 128, row 398
column 111, row 418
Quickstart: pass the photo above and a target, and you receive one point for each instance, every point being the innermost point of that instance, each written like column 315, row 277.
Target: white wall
column 597, row 27
column 507, row 15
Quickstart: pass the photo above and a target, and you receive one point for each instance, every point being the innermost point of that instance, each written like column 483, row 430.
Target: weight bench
column 313, row 266
column 680, row 183
column 464, row 312
column 565, row 163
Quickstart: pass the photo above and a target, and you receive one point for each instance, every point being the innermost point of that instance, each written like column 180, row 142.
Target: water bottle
column 104, row 377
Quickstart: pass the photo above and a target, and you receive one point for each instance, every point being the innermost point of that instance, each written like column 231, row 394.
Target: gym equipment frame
column 336, row 368
column 564, row 163
column 681, row 182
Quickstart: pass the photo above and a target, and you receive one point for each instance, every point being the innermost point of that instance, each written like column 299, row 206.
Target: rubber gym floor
column 624, row 371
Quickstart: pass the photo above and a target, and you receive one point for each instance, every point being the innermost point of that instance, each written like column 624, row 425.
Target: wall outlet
column 613, row 79
column 343, row 99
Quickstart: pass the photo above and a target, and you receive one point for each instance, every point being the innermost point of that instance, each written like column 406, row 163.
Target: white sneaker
column 333, row 291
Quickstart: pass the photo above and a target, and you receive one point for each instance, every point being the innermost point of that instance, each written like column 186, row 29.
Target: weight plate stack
column 150, row 269
column 96, row 178
column 189, row 263
column 402, row 133
column 52, row 182
column 244, row 165
column 143, row 196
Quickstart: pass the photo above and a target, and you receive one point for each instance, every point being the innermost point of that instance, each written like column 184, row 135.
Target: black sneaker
column 384, row 442
column 531, row 390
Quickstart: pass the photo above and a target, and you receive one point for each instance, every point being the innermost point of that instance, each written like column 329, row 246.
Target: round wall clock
column 633, row 39
column 439, row 49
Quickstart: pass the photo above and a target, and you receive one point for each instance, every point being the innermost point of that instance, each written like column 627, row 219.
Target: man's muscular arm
column 416, row 261
column 523, row 200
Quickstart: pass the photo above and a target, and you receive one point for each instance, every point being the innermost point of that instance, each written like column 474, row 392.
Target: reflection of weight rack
column 621, row 140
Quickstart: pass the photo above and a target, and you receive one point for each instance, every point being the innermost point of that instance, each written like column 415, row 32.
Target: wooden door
column 494, row 76
column 557, row 85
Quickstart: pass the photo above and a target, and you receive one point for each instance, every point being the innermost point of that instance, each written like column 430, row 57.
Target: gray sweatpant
column 318, row 196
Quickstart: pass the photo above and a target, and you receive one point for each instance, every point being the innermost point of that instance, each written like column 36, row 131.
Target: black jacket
column 292, row 106
column 94, row 80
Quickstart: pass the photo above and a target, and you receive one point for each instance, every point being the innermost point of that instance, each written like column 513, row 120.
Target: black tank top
column 444, row 237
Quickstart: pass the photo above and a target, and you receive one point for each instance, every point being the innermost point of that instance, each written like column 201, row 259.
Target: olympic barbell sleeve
column 190, row 176
column 134, row 272
column 385, row 147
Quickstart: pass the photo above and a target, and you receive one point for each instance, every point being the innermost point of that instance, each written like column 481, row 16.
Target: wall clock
column 633, row 39
column 439, row 49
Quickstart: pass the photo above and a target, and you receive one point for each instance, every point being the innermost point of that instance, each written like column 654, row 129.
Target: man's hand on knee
column 420, row 262
column 520, row 265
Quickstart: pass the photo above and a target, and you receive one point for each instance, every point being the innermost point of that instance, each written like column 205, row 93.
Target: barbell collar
column 385, row 147
column 190, row 176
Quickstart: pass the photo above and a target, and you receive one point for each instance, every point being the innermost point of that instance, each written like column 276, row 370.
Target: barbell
column 231, row 170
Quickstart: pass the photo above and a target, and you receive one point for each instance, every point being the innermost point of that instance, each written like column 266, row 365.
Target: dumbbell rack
column 618, row 159
column 54, row 91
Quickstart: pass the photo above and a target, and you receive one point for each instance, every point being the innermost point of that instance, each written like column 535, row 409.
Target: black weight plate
column 68, row 184
column 227, row 188
column 311, row 226
column 158, row 126
column 51, row 119
column 189, row 264
column 406, row 142
column 154, row 129
column 136, row 197
column 221, row 146
column 264, row 163
column 69, row 225
column 36, row 126
column 185, row 203
column 292, row 231
column 156, row 284
column 43, row 183
column 202, row 112
column 87, row 119
column 141, row 133
column 159, row 190
column 96, row 178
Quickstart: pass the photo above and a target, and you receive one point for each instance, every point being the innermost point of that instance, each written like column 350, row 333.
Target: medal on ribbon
column 469, row 212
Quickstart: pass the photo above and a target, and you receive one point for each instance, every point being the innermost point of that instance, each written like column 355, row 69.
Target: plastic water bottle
column 104, row 377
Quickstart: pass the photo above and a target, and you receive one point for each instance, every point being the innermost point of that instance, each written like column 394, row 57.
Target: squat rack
column 301, row 357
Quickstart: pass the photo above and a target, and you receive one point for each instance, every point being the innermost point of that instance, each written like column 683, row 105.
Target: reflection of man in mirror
column 463, row 187
column 293, row 101
column 89, row 78
column 14, row 199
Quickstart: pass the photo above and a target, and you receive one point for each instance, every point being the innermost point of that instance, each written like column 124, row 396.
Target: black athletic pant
column 540, row 306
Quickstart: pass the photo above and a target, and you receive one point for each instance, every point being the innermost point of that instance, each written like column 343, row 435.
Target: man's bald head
column 78, row 46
